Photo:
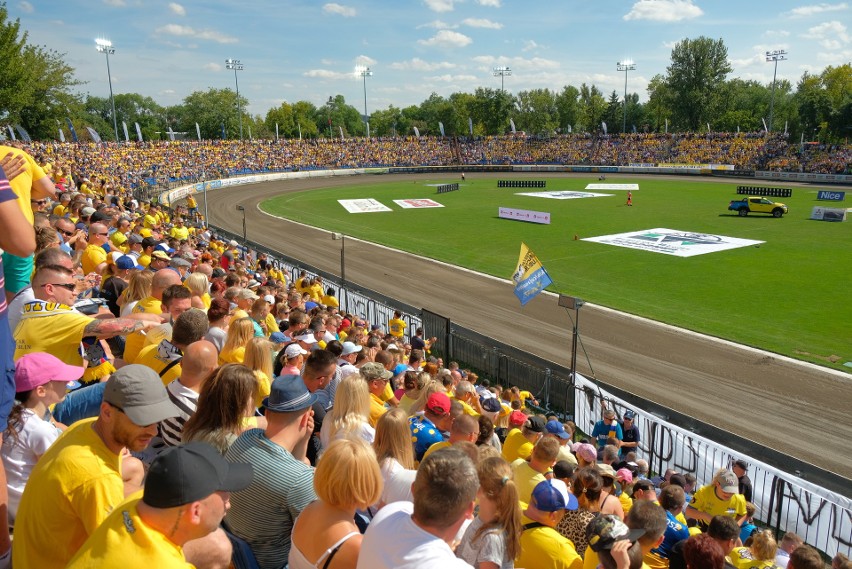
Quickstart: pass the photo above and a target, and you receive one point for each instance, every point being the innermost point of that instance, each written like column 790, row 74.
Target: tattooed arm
column 107, row 328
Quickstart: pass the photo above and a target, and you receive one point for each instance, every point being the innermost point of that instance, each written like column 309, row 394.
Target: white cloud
column 831, row 35
column 437, row 24
column 212, row 67
column 840, row 57
column 339, row 10
column 168, row 92
column 671, row 44
column 365, row 60
column 813, row 9
column 482, row 23
column 439, row 5
column 770, row 34
column 530, row 45
column 664, row 10
column 453, row 78
column 539, row 63
column 489, row 3
column 26, row 7
column 418, row 64
column 326, row 74
column 116, row 3
column 187, row 31
column 447, row 38
column 177, row 9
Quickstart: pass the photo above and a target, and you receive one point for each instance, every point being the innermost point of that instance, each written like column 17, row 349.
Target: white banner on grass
column 673, row 242
column 821, row 517
column 368, row 205
column 524, row 215
column 565, row 195
column 631, row 187
column 417, row 203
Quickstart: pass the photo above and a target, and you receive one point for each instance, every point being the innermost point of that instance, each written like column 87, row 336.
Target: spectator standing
column 740, row 468
column 720, row 497
column 607, row 428
column 630, row 432
column 789, row 543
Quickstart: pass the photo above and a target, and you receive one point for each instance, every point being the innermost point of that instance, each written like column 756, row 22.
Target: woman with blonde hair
column 240, row 331
column 258, row 358
column 420, row 403
column 197, row 285
column 395, row 454
column 325, row 534
column 760, row 554
column 351, row 412
column 138, row 288
column 493, row 539
column 413, row 383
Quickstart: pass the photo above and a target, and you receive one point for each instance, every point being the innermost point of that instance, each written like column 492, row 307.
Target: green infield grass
column 789, row 295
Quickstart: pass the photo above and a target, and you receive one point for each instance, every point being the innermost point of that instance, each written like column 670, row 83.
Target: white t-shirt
column 490, row 547
column 397, row 482
column 19, row 458
column 394, row 541
column 365, row 431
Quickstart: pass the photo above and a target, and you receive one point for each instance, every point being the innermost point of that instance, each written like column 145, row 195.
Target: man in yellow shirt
column 396, row 325
column 165, row 357
column 179, row 231
column 466, row 395
column 720, row 498
column 62, row 207
column 542, row 546
column 464, row 428
column 79, row 480
column 94, row 255
column 186, row 495
column 377, row 378
column 118, row 238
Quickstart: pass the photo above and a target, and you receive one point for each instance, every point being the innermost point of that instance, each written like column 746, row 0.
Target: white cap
column 307, row 338
column 350, row 348
column 294, row 350
column 269, row 298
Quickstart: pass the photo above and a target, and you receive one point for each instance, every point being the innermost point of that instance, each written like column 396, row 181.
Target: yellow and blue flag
column 530, row 277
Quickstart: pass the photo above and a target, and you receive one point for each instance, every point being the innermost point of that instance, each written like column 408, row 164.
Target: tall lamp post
column 625, row 66
column 237, row 65
column 330, row 102
column 242, row 209
column 105, row 47
column 776, row 56
column 365, row 72
column 502, row 72
column 342, row 238
column 573, row 303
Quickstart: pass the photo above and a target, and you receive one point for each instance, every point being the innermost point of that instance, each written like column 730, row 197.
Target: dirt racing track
column 798, row 409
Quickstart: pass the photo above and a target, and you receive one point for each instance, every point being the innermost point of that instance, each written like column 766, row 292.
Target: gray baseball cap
column 139, row 393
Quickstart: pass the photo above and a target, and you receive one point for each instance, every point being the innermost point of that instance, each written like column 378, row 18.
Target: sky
column 300, row 50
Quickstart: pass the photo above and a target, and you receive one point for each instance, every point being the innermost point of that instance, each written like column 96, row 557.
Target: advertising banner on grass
column 530, row 277
column 674, row 242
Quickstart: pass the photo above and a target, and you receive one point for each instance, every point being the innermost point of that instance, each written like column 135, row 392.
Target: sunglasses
column 39, row 202
column 65, row 233
column 67, row 286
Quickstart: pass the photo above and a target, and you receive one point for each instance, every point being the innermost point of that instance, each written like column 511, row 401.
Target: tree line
column 38, row 91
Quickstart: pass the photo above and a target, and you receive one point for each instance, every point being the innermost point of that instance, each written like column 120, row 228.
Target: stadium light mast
column 237, row 65
column 365, row 72
column 626, row 66
column 502, row 72
column 105, row 47
column 776, row 56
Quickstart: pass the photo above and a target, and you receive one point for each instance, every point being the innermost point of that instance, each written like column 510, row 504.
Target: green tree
column 285, row 117
column 697, row 72
column 537, row 112
column 210, row 109
column 491, row 109
column 567, row 108
column 592, row 106
column 613, row 115
column 304, row 113
column 658, row 109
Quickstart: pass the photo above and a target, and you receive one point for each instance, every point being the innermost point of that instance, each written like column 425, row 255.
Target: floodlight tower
column 237, row 65
column 502, row 72
column 106, row 48
column 775, row 56
column 626, row 66
column 365, row 72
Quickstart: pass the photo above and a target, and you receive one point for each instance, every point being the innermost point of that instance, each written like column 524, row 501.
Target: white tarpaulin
column 564, row 195
column 673, row 242
column 821, row 517
column 631, row 187
column 417, row 203
column 368, row 205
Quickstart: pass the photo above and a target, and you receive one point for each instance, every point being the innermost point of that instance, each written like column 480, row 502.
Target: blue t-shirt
column 424, row 433
column 602, row 432
column 675, row 531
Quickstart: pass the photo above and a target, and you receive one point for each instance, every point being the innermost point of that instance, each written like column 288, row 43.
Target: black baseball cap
column 185, row 474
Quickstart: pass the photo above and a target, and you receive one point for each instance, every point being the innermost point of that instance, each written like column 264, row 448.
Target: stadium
column 216, row 330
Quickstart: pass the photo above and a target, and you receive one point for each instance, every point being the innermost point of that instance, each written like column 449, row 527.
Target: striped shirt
column 263, row 514
column 186, row 401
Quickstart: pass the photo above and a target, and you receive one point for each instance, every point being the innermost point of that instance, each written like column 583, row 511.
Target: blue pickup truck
column 757, row 204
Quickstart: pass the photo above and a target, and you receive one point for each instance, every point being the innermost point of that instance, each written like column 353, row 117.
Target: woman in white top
column 41, row 380
column 325, row 535
column 351, row 412
column 396, row 456
column 138, row 288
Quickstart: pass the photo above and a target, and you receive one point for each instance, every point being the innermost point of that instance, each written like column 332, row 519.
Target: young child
column 494, row 535
column 41, row 380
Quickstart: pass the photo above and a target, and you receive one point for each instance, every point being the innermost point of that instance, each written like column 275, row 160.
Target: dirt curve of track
column 798, row 409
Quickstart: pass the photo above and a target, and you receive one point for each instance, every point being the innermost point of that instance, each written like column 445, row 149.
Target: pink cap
column 624, row 475
column 587, row 452
column 38, row 368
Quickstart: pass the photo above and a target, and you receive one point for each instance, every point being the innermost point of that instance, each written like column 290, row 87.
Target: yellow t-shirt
column 205, row 298
column 144, row 260
column 60, row 210
column 330, row 301
column 743, row 558
column 125, row 541
column 627, row 503
column 59, row 332
column 264, row 386
column 271, row 325
column 22, row 184
column 434, row 447
column 93, row 255
column 136, row 341
column 149, row 356
column 705, row 500
column 316, row 292
column 516, row 446
column 396, row 327
column 150, row 221
column 235, row 356
column 377, row 409
column 526, row 478
column 546, row 548
column 467, row 408
column 119, row 241
column 179, row 233
column 71, row 490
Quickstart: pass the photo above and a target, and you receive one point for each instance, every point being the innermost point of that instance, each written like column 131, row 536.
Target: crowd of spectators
column 137, row 164
column 170, row 398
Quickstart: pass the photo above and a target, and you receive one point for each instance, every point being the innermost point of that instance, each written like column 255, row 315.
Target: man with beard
column 80, row 479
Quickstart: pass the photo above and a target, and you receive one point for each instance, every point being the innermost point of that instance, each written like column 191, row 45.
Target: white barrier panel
column 802, row 177
column 524, row 215
column 822, row 518
column 820, row 213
